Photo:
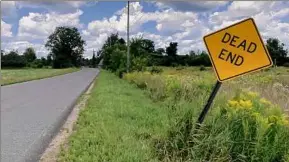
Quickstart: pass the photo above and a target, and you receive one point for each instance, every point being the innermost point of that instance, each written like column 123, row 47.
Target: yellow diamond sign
column 236, row 50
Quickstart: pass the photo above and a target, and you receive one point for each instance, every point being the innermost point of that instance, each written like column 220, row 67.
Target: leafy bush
column 202, row 68
column 180, row 68
column 37, row 64
column 120, row 72
column 156, row 70
column 286, row 64
column 13, row 60
column 139, row 63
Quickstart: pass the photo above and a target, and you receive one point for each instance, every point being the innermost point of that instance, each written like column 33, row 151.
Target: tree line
column 143, row 53
column 66, row 47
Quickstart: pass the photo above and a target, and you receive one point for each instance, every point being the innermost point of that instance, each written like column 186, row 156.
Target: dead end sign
column 236, row 50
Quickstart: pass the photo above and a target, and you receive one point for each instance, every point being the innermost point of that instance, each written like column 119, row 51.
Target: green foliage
column 118, row 124
column 160, row 51
column 286, row 64
column 245, row 128
column 139, row 63
column 12, row 60
column 172, row 49
column 277, row 51
column 37, row 64
column 66, row 47
column 156, row 70
column 93, row 61
column 202, row 68
column 29, row 55
column 120, row 72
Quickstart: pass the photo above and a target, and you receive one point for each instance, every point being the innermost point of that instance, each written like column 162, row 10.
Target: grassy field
column 248, row 121
column 10, row 76
column 153, row 118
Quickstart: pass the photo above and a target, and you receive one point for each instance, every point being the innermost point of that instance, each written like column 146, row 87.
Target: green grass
column 119, row 123
column 154, row 118
column 241, row 126
column 10, row 76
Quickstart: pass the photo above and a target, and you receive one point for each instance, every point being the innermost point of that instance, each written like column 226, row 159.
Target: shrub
column 13, row 60
column 202, row 68
column 36, row 64
column 247, row 128
column 155, row 70
column 120, row 72
column 180, row 68
column 286, row 64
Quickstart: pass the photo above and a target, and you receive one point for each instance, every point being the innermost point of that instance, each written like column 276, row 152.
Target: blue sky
column 28, row 24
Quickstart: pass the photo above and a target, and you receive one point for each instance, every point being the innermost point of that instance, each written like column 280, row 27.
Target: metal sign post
column 209, row 103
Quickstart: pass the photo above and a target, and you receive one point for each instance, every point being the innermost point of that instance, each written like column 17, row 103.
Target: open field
column 153, row 118
column 10, row 76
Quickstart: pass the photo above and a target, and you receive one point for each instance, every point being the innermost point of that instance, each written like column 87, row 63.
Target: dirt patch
column 52, row 151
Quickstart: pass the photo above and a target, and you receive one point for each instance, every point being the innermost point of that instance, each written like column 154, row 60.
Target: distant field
column 10, row 76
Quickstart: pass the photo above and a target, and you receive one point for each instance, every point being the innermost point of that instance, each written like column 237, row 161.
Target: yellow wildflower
column 233, row 103
column 252, row 94
column 247, row 104
column 273, row 119
column 265, row 102
column 285, row 121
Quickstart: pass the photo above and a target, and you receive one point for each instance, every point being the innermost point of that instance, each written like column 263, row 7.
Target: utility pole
column 128, row 44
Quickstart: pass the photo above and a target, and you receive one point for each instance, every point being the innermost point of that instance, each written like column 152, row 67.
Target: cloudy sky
column 25, row 24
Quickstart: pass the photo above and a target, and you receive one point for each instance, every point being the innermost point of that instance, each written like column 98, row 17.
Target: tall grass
column 242, row 125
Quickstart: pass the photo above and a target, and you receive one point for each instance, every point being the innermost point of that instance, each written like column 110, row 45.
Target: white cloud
column 182, row 22
column 20, row 46
column 5, row 29
column 191, row 6
column 167, row 22
column 267, row 14
column 39, row 26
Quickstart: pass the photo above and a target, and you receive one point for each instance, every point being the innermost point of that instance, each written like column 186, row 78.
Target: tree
column 172, row 49
column 13, row 60
column 113, row 49
column 192, row 53
column 93, row 61
column 171, row 52
column 49, row 60
column 29, row 55
column 277, row 51
column 112, row 40
column 43, row 61
column 66, row 47
column 160, row 51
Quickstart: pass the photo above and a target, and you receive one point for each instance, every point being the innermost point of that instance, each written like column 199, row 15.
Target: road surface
column 33, row 112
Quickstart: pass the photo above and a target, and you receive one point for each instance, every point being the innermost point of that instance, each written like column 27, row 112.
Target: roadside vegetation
column 151, row 116
column 118, row 123
column 150, row 113
column 248, row 122
column 10, row 76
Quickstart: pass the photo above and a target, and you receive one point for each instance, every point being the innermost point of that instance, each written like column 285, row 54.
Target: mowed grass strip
column 119, row 123
column 11, row 76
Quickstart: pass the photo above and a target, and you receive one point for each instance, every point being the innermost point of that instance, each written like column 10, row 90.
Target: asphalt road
column 33, row 112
